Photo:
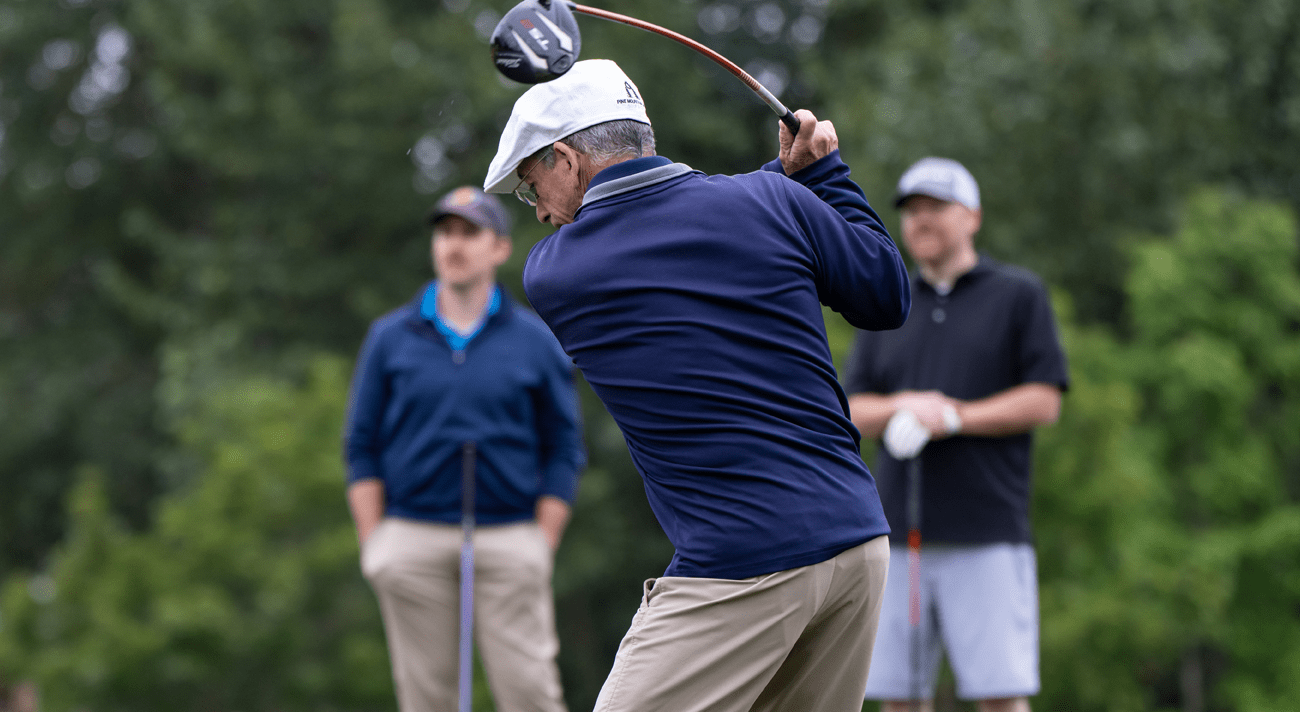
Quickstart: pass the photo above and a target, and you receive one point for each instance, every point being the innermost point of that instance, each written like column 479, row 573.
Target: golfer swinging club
column 692, row 304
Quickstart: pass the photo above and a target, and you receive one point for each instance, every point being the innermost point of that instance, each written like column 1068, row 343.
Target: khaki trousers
column 414, row 569
column 792, row 641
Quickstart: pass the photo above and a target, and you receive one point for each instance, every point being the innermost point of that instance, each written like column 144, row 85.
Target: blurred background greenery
column 203, row 203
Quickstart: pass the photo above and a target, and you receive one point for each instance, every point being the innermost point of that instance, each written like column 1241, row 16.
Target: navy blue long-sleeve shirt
column 692, row 305
column 415, row 401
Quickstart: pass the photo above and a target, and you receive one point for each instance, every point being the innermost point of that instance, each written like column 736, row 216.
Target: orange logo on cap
column 462, row 197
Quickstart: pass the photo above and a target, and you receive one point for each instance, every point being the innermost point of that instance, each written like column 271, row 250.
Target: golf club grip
column 791, row 122
column 772, row 102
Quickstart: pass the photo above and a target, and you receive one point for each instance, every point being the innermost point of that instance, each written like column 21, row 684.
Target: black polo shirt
column 993, row 331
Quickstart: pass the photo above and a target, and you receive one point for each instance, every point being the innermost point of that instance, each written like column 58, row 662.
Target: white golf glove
column 905, row 436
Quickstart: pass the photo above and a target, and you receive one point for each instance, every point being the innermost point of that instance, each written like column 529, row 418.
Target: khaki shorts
column 792, row 640
column 414, row 568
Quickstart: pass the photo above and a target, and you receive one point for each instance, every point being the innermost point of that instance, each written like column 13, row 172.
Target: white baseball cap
column 592, row 92
column 941, row 178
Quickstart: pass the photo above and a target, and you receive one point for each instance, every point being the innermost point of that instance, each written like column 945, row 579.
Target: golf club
column 914, row 575
column 466, row 683
column 538, row 40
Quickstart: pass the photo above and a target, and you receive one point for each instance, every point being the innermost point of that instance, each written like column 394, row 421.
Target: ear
column 502, row 250
column 566, row 157
column 977, row 217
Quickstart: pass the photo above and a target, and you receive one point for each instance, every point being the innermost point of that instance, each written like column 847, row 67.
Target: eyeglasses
column 525, row 191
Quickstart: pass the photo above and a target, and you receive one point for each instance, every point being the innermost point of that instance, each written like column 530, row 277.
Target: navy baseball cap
column 941, row 178
column 475, row 206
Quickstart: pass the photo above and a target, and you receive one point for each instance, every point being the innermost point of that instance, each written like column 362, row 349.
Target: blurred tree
column 76, row 376
column 246, row 593
column 1216, row 331
column 1168, row 498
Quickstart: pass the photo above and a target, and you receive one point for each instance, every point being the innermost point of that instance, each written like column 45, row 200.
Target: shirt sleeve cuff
column 809, row 173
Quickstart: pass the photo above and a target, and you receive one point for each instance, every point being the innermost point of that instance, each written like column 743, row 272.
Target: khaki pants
column 792, row 641
column 414, row 568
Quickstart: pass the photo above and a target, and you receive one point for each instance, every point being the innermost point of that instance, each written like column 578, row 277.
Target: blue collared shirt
column 456, row 340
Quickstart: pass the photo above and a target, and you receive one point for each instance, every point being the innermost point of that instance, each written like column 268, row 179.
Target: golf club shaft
column 466, row 682
column 914, row 576
column 787, row 116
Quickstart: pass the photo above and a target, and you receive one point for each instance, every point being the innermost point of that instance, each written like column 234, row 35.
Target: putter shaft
column 466, row 673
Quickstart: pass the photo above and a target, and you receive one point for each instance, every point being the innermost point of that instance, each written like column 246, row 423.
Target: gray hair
column 624, row 138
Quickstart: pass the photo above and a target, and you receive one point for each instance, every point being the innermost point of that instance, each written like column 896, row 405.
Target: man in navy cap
column 463, row 363
column 961, row 386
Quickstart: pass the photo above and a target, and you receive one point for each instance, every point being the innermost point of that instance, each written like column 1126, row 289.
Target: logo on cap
column 462, row 196
column 632, row 96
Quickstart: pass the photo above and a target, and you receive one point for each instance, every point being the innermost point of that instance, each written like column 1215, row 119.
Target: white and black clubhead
column 536, row 41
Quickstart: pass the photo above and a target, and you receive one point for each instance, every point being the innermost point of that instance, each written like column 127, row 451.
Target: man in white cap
column 693, row 306
column 961, row 386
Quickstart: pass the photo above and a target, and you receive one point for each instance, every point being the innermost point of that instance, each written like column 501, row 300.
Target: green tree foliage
column 1216, row 330
column 1167, row 509
column 75, row 376
column 244, row 595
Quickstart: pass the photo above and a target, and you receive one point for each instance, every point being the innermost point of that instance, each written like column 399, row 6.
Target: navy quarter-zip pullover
column 693, row 306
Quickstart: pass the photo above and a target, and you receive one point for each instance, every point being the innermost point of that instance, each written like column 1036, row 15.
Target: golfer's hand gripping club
column 790, row 122
column 801, row 149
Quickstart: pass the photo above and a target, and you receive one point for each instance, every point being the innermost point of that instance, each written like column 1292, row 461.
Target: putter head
column 536, row 41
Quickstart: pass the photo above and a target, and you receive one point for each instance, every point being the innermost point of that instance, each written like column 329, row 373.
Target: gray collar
column 635, row 181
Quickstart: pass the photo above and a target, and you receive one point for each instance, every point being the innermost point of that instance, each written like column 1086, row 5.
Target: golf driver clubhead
column 536, row 41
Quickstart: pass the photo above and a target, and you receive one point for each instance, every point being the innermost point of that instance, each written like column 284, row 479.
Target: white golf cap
column 941, row 178
column 592, row 92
